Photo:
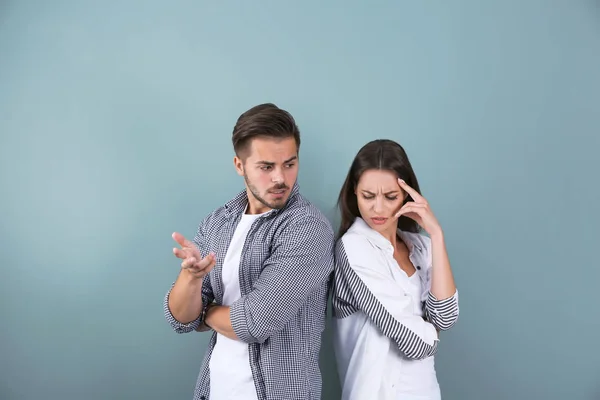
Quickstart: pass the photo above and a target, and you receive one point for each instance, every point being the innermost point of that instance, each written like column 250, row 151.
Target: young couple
column 257, row 276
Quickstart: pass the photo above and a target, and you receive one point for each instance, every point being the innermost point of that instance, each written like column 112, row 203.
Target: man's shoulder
column 299, row 207
column 215, row 218
column 301, row 211
column 297, row 213
column 301, row 224
column 216, row 214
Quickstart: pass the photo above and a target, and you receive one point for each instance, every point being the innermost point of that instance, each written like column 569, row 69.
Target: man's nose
column 277, row 176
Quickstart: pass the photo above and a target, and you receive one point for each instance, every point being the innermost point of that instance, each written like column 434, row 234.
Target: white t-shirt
column 230, row 373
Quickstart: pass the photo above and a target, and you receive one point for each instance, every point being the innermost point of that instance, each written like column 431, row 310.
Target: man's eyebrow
column 266, row 163
column 271, row 163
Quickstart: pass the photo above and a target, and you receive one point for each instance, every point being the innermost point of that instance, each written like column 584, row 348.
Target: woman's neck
column 392, row 236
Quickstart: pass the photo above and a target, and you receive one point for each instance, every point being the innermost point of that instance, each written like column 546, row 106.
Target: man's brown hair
column 263, row 120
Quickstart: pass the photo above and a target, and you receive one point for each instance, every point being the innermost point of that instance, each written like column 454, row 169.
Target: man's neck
column 255, row 206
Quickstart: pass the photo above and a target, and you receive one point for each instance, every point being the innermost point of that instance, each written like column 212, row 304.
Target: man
column 257, row 273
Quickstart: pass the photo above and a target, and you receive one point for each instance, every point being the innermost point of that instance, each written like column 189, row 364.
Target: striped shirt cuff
column 442, row 313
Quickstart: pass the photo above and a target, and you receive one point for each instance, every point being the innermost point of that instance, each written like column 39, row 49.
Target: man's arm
column 217, row 318
column 183, row 303
column 301, row 262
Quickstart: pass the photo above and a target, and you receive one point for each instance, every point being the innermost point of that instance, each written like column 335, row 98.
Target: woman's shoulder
column 351, row 240
column 355, row 247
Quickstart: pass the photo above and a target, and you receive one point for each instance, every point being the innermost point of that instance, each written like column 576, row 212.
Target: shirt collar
column 361, row 227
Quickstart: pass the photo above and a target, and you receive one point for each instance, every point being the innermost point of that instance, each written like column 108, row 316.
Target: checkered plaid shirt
column 285, row 273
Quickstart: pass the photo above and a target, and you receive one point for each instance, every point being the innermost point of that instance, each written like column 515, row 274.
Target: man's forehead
column 273, row 151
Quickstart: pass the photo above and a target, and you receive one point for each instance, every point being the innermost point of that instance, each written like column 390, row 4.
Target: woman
column 393, row 286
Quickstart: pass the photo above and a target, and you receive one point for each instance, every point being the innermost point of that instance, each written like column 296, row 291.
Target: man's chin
column 277, row 203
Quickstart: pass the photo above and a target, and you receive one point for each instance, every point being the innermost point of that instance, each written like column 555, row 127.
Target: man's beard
column 275, row 205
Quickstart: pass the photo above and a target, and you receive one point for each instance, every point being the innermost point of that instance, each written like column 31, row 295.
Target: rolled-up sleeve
column 300, row 263
column 207, row 298
column 368, row 289
column 207, row 292
column 443, row 314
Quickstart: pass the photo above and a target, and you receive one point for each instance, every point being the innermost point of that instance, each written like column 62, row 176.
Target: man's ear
column 239, row 165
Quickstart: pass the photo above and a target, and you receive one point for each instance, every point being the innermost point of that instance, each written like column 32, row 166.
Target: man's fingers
column 207, row 269
column 203, row 266
column 188, row 263
column 206, row 262
column 199, row 268
column 179, row 238
column 179, row 253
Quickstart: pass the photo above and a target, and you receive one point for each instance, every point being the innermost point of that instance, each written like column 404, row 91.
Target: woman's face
column 379, row 198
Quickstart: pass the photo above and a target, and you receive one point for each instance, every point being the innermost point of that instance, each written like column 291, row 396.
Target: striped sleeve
column 358, row 287
column 443, row 314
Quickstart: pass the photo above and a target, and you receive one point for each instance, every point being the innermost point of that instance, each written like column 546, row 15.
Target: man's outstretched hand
column 193, row 262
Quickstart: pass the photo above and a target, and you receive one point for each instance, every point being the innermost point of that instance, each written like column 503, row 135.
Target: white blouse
column 385, row 322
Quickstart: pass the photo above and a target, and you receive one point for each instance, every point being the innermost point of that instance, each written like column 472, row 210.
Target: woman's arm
column 361, row 286
column 441, row 307
column 442, row 280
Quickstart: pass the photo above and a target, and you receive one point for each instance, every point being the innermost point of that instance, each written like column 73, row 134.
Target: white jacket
column 385, row 322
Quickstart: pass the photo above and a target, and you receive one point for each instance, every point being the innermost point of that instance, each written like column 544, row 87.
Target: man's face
column 270, row 169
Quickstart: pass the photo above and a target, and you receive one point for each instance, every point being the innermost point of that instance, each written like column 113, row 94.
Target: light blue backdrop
column 115, row 123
